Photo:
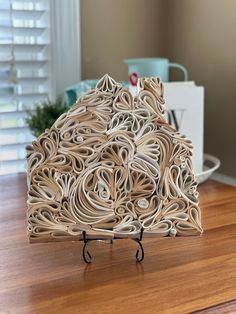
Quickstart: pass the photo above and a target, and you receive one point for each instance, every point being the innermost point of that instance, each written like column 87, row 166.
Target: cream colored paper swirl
column 111, row 166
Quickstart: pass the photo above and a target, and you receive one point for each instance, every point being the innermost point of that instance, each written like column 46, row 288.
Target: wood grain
column 178, row 275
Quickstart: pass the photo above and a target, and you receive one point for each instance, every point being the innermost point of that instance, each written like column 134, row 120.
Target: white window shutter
column 24, row 74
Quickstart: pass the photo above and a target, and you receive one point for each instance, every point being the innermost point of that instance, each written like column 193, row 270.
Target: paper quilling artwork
column 112, row 166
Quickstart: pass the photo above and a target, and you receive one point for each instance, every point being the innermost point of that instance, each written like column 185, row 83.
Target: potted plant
column 45, row 114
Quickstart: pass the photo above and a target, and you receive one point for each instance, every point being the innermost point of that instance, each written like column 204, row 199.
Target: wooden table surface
column 178, row 275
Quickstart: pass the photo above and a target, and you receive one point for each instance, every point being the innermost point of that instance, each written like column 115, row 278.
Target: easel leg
column 139, row 259
column 86, row 255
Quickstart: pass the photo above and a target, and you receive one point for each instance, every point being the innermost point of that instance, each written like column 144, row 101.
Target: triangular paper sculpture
column 112, row 166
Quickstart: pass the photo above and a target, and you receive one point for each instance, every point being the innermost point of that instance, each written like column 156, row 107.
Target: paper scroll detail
column 112, row 165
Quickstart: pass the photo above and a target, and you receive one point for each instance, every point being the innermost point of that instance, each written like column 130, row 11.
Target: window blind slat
column 11, row 153
column 7, row 167
column 6, row 4
column 15, row 135
column 23, row 64
column 30, row 46
column 21, row 114
column 25, row 98
column 14, row 130
column 27, row 80
column 21, row 14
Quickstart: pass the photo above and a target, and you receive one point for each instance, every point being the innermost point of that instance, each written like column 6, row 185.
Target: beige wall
column 202, row 36
column 113, row 30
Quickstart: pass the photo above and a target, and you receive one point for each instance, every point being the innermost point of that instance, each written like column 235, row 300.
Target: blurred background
column 48, row 45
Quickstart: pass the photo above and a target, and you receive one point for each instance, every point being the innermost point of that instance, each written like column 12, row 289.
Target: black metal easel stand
column 88, row 258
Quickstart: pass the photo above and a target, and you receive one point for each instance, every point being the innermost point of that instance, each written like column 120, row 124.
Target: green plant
column 45, row 114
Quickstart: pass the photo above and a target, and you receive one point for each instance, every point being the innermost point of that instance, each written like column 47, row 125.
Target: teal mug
column 154, row 67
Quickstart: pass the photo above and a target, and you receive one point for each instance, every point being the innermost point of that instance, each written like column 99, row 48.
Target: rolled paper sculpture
column 112, row 166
